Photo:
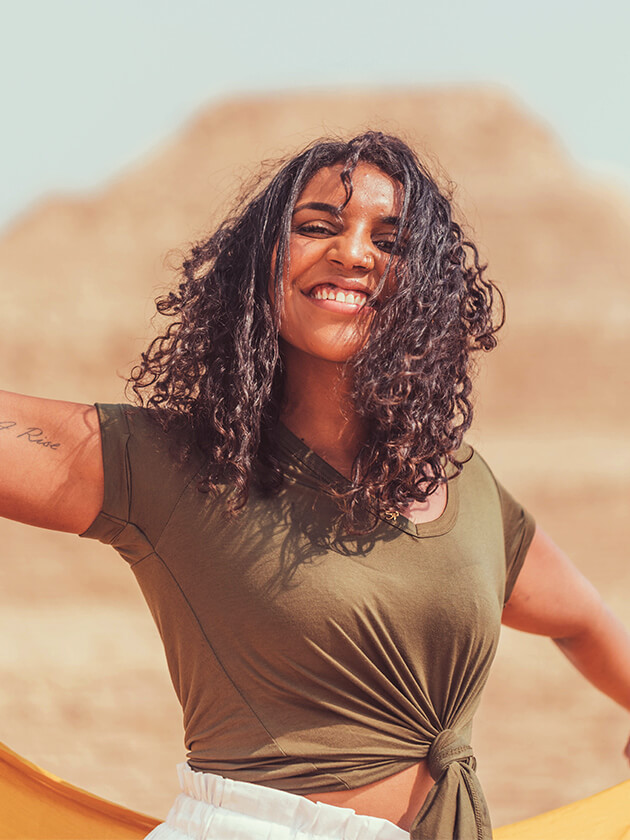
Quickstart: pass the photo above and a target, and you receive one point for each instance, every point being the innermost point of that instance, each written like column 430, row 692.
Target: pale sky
column 88, row 86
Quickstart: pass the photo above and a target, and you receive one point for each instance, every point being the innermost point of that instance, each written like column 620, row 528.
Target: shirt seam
column 510, row 578
column 152, row 543
column 167, row 520
column 110, row 517
column 193, row 613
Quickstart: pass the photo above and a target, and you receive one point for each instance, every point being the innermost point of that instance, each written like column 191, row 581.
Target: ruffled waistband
column 211, row 806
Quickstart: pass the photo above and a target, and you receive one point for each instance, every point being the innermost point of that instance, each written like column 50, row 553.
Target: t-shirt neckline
column 314, row 463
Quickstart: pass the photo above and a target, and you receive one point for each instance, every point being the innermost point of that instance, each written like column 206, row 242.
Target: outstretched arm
column 51, row 471
column 552, row 598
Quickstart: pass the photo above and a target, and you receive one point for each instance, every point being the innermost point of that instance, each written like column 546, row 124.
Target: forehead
column 371, row 188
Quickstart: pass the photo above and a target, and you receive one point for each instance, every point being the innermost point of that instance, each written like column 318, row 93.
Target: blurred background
column 127, row 128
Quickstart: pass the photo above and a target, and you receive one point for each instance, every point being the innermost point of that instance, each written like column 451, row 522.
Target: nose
column 352, row 250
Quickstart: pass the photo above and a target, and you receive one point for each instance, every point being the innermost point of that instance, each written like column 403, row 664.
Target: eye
column 385, row 244
column 315, row 229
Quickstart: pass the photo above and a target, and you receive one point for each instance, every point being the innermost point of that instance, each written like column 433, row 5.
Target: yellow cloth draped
column 603, row 816
column 35, row 805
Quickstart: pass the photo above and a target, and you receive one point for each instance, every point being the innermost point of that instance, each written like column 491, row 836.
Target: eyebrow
column 334, row 211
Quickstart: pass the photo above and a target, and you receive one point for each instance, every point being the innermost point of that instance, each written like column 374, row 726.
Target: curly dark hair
column 218, row 366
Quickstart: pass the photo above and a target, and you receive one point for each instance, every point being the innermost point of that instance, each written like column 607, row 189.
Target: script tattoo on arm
column 32, row 434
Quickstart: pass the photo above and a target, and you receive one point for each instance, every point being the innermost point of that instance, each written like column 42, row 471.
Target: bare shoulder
column 52, row 472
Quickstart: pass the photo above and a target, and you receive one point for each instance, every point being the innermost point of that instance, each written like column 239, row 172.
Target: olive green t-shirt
column 305, row 659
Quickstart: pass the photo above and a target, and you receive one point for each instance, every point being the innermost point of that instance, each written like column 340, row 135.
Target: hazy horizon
column 89, row 89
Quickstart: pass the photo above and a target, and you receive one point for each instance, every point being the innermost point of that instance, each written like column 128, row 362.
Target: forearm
column 601, row 652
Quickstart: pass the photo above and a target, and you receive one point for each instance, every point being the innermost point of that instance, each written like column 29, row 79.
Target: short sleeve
column 518, row 532
column 144, row 476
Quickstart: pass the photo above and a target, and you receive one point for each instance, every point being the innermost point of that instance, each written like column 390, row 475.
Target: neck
column 318, row 409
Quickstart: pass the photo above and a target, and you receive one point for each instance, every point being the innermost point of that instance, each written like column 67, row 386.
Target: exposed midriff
column 397, row 798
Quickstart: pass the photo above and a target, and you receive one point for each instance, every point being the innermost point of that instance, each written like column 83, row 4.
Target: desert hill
column 83, row 687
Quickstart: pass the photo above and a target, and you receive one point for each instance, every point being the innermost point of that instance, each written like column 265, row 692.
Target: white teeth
column 321, row 293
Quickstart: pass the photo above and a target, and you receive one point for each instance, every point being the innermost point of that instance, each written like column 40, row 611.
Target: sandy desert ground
column 83, row 688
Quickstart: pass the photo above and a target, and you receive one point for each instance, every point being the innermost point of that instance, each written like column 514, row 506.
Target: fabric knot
column 455, row 808
column 447, row 748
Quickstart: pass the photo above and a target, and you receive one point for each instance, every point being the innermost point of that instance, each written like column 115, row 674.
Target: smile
column 330, row 292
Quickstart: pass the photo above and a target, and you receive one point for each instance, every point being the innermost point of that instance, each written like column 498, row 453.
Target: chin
column 331, row 353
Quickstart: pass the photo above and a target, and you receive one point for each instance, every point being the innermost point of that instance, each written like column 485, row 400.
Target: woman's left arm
column 552, row 598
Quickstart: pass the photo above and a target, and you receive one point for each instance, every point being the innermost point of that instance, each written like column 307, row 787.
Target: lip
column 338, row 306
column 346, row 284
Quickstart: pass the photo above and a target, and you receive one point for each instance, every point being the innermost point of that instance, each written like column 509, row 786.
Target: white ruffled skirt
column 213, row 808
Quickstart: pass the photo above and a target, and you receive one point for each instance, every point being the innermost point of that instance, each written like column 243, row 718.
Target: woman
column 327, row 561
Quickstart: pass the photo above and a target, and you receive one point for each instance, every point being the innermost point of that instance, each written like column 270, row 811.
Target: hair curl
column 218, row 368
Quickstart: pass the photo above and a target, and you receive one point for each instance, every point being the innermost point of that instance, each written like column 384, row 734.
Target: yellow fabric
column 35, row 805
column 604, row 816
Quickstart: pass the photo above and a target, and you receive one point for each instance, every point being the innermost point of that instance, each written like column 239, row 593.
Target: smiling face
column 336, row 261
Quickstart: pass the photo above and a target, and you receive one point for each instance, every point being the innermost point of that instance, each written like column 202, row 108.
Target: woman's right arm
column 51, row 469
